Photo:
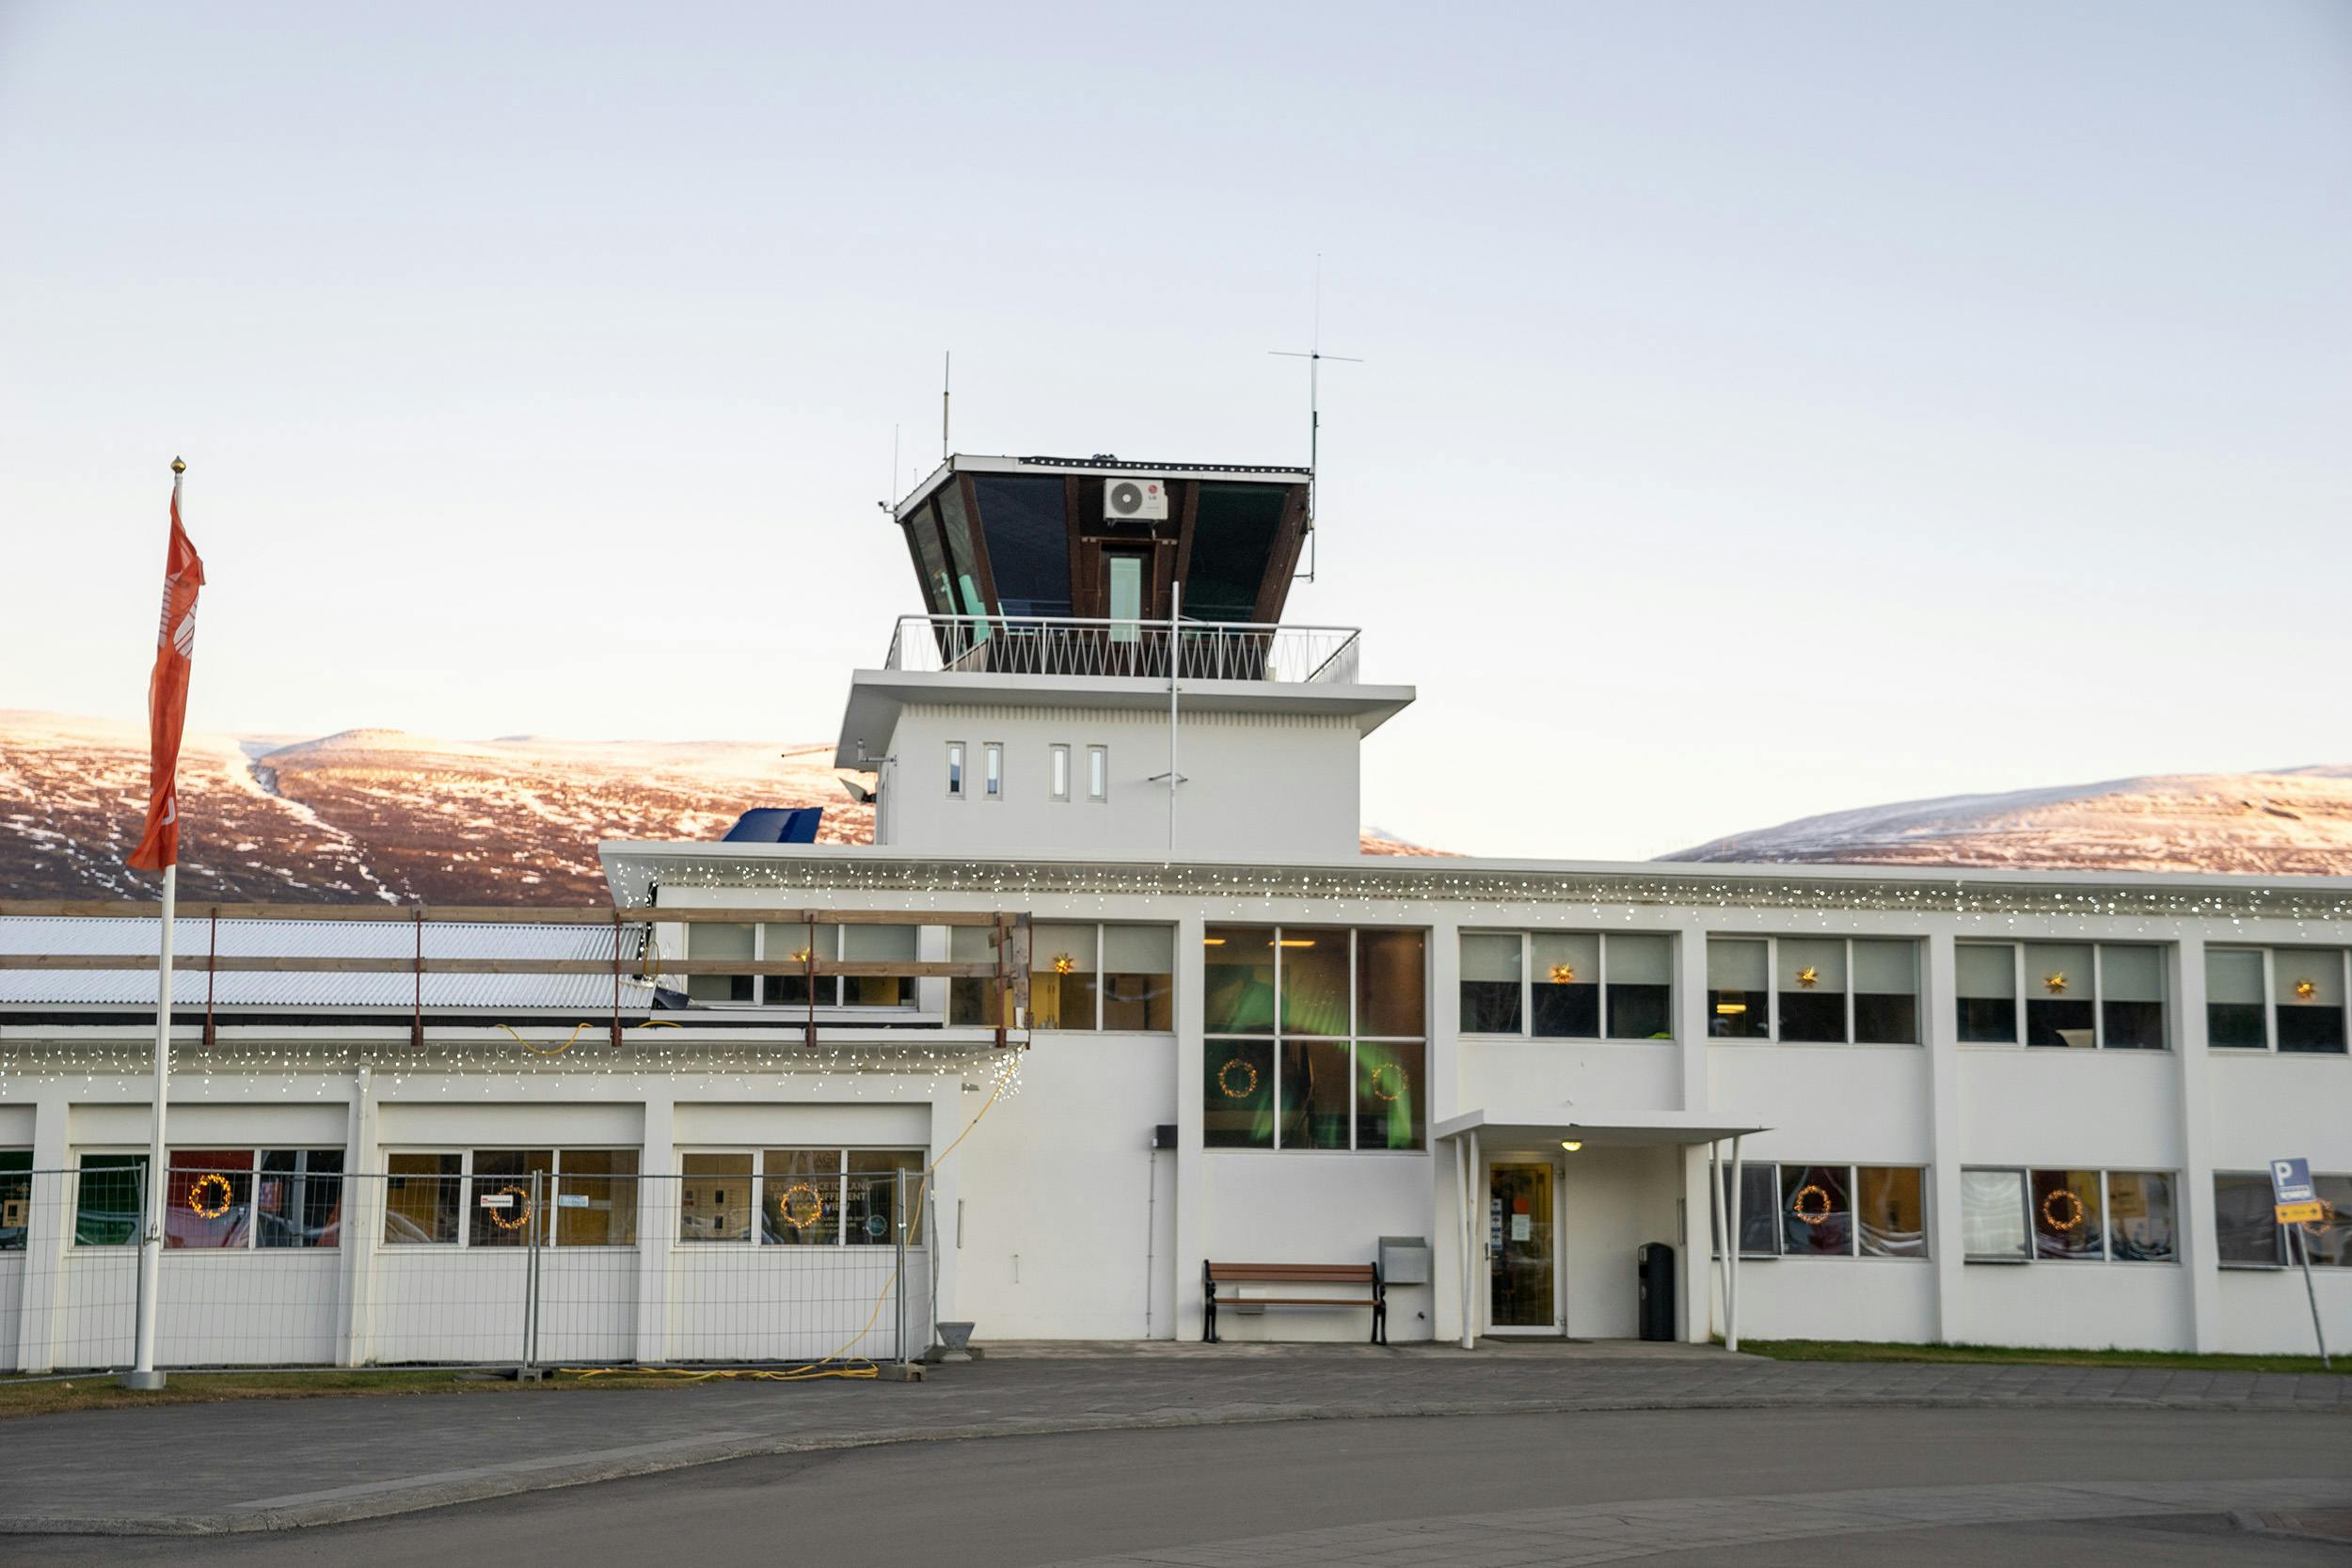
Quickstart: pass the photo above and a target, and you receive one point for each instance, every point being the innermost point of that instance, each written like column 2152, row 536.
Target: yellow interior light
column 1572, row 1145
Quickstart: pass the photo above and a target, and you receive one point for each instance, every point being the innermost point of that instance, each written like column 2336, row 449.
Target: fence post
column 530, row 1280
column 899, row 1231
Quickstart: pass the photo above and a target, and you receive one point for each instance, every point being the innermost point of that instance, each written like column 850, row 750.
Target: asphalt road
column 1834, row 1487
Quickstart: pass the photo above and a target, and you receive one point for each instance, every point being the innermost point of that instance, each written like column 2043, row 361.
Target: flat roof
column 1600, row 1128
column 1100, row 463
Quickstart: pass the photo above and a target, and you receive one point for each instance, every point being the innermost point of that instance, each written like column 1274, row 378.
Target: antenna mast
column 947, row 376
column 1314, row 358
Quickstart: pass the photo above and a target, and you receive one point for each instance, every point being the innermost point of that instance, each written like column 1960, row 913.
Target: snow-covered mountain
column 385, row 815
column 2291, row 821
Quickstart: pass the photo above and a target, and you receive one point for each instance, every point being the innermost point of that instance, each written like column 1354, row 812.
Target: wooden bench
column 1365, row 1274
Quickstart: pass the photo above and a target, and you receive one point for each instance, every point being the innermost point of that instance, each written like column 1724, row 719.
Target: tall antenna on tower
column 1314, row 358
column 946, row 375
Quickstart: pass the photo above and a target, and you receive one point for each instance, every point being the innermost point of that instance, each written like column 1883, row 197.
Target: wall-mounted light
column 1572, row 1145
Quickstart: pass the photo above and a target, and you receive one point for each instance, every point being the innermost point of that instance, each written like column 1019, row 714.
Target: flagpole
column 143, row 1374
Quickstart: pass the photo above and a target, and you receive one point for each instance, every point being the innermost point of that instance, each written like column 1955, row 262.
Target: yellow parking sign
column 2301, row 1214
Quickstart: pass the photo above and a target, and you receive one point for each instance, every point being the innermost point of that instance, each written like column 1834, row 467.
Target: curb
column 393, row 1498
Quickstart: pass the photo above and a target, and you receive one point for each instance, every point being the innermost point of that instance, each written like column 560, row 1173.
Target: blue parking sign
column 2291, row 1181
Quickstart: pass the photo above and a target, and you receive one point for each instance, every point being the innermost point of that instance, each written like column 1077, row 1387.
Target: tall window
column 993, row 770
column 1061, row 759
column 2287, row 998
column 1814, row 989
column 2055, row 1215
column 829, row 1197
column 16, row 1197
column 1098, row 772
column 2077, row 995
column 109, row 1199
column 238, row 1198
column 1832, row 1210
column 1568, row 985
column 955, row 769
column 1317, row 1038
column 485, row 1197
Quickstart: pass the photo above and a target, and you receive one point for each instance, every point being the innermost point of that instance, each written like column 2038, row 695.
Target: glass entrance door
column 1520, row 1261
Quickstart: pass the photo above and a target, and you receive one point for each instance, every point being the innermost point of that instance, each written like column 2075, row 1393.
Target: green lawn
column 1842, row 1350
column 104, row 1391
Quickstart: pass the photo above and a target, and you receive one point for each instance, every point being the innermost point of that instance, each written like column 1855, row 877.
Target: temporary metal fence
column 305, row 1268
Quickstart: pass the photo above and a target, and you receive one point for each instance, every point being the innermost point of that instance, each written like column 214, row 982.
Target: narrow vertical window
column 1098, row 772
column 1062, row 772
column 992, row 765
column 955, row 769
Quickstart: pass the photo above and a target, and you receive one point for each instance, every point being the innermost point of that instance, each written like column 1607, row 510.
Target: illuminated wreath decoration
column 803, row 1207
column 2055, row 982
column 205, row 1183
column 1808, row 976
column 1224, row 1079
column 2074, row 1210
column 1564, row 975
column 1797, row 1206
column 2305, row 990
column 1379, row 1091
column 522, row 1210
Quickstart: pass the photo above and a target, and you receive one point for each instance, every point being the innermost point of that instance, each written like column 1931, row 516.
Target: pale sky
column 1769, row 407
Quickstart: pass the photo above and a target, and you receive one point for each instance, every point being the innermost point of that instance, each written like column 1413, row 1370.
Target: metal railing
column 1069, row 646
column 534, row 1270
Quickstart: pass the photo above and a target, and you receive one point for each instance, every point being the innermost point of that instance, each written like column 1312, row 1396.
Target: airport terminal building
column 1117, row 988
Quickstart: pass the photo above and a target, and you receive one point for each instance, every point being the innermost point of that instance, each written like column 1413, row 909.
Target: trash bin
column 1654, row 1263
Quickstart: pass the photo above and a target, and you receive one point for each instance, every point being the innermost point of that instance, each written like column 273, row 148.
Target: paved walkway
column 204, row 1469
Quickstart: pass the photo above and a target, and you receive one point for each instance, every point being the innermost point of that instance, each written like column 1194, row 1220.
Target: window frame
column 254, row 1175
column 1275, row 1039
column 1526, row 1030
column 1100, row 972
column 760, row 1177
column 991, row 770
column 466, row 1206
column 1771, row 940
column 2270, row 1046
column 2166, row 955
column 1057, row 771
column 839, row 983
column 1853, row 1253
column 2106, row 1216
column 81, row 1175
column 957, row 775
column 1098, row 774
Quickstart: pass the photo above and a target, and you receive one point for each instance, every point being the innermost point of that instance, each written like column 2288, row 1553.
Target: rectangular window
column 2308, row 984
column 1810, row 973
column 1125, row 595
column 720, row 942
column 1139, row 977
column 109, row 1200
column 1638, row 970
column 2245, row 1222
column 1759, row 1211
column 714, row 1198
column 870, row 1196
column 1739, row 994
column 1064, row 977
column 1323, row 1040
column 1993, row 1217
column 208, row 1199
column 876, row 943
column 1886, row 992
column 2331, row 1241
column 955, row 769
column 834, row 1197
column 499, row 1203
column 595, row 1197
column 235, row 1199
column 422, row 1198
column 1098, row 772
column 16, row 1197
column 2140, row 1217
column 298, row 1198
column 797, row 941
column 993, row 769
column 1060, row 756
column 1891, row 1212
column 1797, row 1210
column 2236, row 1016
column 1985, row 978
column 2079, row 996
column 1491, row 979
column 973, row 1002
column 1565, row 966
column 2059, row 993
column 2067, row 1222
column 1817, row 1212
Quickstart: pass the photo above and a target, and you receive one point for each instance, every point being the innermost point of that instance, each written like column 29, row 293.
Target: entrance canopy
column 1600, row 1128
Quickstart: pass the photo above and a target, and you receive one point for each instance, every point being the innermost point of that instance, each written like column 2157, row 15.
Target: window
column 2245, row 1221
column 1568, row 985
column 239, row 1199
column 2308, row 985
column 2331, row 1241
column 829, row 1197
column 955, row 769
column 1316, row 1038
column 16, row 1197
column 2290, row 997
column 1139, row 977
column 2077, row 996
column 1098, row 772
column 1064, row 977
column 501, row 1198
column 993, row 769
column 856, row 943
column 1832, row 1210
column 1814, row 990
column 1125, row 595
column 2069, row 1216
column 1061, row 755
column 1092, row 976
column 2236, row 1017
column 720, row 942
column 972, row 1002
column 109, row 1199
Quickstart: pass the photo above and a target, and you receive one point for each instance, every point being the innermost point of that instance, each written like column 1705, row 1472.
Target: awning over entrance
column 1505, row 1123
column 1502, row 1127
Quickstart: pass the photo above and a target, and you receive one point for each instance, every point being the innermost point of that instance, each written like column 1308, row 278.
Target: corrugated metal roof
column 132, row 987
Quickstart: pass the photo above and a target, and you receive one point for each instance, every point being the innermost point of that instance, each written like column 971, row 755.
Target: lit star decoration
column 1065, row 964
column 2305, row 989
column 1564, row 975
column 2055, row 982
column 1808, row 976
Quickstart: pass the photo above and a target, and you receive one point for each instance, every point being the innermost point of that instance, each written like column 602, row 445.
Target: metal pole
column 2303, row 1250
column 1175, row 614
column 143, row 1373
column 898, row 1215
column 1731, row 1254
column 1462, row 1229
column 530, row 1278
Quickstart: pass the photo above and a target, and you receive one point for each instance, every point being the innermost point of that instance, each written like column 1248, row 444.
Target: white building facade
column 1999, row 1108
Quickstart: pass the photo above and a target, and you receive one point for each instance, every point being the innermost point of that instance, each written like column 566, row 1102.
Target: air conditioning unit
column 1135, row 501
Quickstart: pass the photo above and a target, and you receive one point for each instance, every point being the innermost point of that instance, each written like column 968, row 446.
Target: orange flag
column 168, row 695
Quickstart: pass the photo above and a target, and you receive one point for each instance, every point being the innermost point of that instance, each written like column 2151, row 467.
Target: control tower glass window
column 1232, row 539
column 959, row 557
column 1027, row 527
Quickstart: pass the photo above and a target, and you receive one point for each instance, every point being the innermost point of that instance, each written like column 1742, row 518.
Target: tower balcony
column 1074, row 646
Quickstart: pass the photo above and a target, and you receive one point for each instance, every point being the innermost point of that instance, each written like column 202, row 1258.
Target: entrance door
column 1522, row 1280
